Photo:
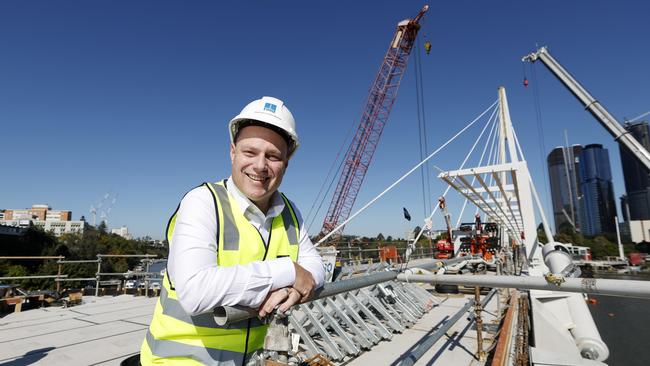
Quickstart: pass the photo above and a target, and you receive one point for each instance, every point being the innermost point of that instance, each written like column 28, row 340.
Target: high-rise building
column 635, row 174
column 598, row 207
column 564, row 177
column 625, row 208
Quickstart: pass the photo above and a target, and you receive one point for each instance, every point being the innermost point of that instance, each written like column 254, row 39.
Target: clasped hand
column 284, row 298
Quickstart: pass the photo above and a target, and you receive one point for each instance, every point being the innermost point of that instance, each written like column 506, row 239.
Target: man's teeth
column 256, row 177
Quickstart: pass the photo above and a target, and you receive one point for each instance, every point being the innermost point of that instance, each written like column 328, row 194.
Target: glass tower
column 564, row 179
column 598, row 207
column 636, row 176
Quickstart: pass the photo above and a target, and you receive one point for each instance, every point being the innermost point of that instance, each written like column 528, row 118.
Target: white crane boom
column 592, row 105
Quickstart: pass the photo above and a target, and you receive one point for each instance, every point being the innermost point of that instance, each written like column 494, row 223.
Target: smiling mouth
column 257, row 178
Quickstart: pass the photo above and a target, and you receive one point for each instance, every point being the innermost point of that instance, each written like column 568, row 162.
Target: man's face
column 259, row 159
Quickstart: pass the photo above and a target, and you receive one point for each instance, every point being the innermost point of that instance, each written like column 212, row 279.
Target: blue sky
column 133, row 97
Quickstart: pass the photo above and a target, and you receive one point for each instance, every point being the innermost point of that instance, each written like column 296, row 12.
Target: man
column 235, row 242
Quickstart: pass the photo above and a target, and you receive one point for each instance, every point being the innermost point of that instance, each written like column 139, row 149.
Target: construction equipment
column 592, row 105
column 381, row 98
column 482, row 239
column 445, row 247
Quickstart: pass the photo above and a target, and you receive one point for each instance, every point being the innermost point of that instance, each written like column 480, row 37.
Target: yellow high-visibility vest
column 177, row 338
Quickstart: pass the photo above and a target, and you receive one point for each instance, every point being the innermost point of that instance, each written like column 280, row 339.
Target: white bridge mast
column 564, row 330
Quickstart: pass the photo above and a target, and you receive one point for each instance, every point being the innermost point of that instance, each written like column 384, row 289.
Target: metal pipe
column 417, row 353
column 28, row 277
column 484, row 302
column 74, row 279
column 608, row 287
column 231, row 314
column 146, row 282
column 58, row 284
column 99, row 269
column 79, row 261
column 480, row 354
column 34, row 257
column 436, row 264
column 133, row 274
column 127, row 255
column 224, row 315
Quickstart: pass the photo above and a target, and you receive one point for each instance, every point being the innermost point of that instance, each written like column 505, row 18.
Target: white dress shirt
column 192, row 267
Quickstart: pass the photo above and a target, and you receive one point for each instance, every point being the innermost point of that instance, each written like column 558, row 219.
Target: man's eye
column 274, row 158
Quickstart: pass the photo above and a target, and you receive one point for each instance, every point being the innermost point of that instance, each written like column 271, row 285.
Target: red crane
column 375, row 115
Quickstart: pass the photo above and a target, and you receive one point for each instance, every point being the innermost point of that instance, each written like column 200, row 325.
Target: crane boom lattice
column 381, row 98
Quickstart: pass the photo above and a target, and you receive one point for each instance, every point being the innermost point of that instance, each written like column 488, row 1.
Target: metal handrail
column 34, row 257
column 623, row 288
column 231, row 314
column 30, row 277
column 59, row 277
column 597, row 286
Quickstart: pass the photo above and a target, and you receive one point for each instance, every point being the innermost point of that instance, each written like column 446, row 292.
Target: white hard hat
column 270, row 111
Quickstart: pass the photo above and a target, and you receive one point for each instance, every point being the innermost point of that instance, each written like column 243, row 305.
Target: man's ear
column 232, row 153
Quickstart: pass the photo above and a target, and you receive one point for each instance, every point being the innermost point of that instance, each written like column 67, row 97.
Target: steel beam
column 598, row 286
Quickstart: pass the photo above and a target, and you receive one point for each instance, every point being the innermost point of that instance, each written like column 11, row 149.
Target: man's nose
column 259, row 162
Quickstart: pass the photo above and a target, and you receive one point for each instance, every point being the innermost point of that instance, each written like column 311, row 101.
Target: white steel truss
column 502, row 191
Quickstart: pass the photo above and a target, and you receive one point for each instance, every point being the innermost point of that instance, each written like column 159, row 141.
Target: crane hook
column 427, row 47
column 525, row 82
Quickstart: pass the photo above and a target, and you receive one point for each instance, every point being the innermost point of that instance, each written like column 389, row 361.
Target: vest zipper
column 248, row 333
column 267, row 244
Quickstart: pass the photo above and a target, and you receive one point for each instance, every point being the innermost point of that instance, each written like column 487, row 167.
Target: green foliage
column 84, row 246
column 16, row 271
column 601, row 245
column 541, row 235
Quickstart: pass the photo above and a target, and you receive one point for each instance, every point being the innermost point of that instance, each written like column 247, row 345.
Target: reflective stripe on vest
column 175, row 335
column 206, row 356
column 174, row 309
column 230, row 231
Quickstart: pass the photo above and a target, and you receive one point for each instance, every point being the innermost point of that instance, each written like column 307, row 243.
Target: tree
column 601, row 247
column 566, row 228
column 541, row 235
column 102, row 227
column 380, row 237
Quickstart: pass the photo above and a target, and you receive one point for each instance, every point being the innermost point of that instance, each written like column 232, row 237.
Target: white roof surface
column 101, row 331
column 106, row 330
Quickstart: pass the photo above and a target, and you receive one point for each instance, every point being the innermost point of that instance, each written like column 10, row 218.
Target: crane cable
column 422, row 131
column 490, row 121
column 540, row 127
column 489, row 141
column 331, row 181
column 323, row 239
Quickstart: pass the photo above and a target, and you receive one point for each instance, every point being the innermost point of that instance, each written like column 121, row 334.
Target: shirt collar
column 247, row 206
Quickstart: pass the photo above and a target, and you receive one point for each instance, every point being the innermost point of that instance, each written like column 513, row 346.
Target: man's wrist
column 282, row 271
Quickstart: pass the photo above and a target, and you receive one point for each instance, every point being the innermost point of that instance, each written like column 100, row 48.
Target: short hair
column 252, row 122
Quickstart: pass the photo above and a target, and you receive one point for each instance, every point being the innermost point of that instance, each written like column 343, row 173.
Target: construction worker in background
column 235, row 242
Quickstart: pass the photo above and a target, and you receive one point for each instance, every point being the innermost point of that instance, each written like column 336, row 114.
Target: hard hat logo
column 271, row 112
column 270, row 107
